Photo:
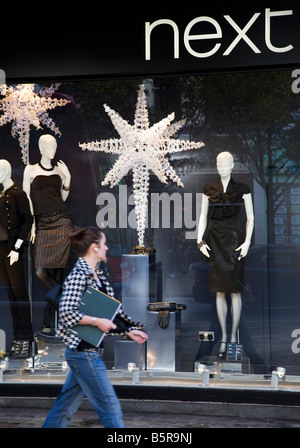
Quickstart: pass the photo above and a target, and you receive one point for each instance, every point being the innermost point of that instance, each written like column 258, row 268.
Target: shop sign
column 194, row 37
column 189, row 34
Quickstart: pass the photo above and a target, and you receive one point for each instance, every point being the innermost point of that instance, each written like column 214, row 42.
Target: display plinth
column 50, row 353
column 2, row 341
column 140, row 285
column 129, row 351
column 163, row 345
column 227, row 366
column 136, row 285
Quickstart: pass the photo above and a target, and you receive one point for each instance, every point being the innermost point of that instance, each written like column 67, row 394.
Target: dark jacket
column 17, row 218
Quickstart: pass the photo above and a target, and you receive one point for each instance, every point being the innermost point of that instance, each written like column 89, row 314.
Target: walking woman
column 87, row 376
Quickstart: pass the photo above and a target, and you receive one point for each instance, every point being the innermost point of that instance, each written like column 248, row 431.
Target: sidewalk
column 31, row 416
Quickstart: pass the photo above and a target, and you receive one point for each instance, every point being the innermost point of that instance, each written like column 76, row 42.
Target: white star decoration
column 23, row 107
column 142, row 148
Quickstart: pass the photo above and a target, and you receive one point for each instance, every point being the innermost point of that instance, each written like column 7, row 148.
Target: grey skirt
column 52, row 243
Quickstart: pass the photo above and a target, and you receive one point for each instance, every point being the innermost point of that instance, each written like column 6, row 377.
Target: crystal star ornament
column 24, row 107
column 142, row 148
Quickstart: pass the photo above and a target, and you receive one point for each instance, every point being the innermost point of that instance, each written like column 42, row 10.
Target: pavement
column 151, row 413
column 33, row 416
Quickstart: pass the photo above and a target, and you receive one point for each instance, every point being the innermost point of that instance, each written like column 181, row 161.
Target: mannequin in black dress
column 47, row 187
column 224, row 245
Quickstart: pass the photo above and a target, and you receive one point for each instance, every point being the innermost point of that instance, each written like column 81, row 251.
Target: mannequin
column 224, row 246
column 47, row 187
column 15, row 224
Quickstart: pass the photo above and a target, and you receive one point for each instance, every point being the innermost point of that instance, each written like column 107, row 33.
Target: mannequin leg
column 45, row 277
column 13, row 279
column 50, row 281
column 221, row 305
column 236, row 308
column 58, row 275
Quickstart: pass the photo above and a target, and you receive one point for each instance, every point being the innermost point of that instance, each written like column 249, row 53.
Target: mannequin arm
column 13, row 254
column 66, row 179
column 13, row 257
column 202, row 225
column 26, row 188
column 249, row 226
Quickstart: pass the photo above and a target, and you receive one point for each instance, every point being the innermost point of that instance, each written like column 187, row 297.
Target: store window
column 254, row 116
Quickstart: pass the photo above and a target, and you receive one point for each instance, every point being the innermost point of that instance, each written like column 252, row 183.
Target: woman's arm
column 103, row 324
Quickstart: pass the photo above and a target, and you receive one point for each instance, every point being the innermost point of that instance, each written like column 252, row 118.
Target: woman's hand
column 104, row 324
column 138, row 336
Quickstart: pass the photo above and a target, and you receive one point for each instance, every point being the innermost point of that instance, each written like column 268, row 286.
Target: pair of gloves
column 164, row 309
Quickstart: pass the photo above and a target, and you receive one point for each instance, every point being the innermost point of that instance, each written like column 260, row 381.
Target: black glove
column 164, row 309
column 163, row 319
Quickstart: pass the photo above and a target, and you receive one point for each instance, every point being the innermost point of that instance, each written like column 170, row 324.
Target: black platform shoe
column 222, row 354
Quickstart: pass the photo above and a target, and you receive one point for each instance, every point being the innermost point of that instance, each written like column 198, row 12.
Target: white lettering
column 295, row 84
column 124, row 438
column 189, row 222
column 166, row 199
column 108, row 210
column 150, row 27
column 296, row 343
column 168, row 210
column 188, row 37
column 242, row 34
column 270, row 14
column 171, row 437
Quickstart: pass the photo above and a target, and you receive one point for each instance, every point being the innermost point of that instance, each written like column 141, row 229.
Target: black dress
column 53, row 223
column 224, row 235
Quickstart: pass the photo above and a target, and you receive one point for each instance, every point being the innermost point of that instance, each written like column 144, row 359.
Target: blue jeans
column 88, row 378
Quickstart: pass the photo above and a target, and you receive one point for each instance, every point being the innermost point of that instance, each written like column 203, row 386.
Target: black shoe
column 222, row 354
column 20, row 349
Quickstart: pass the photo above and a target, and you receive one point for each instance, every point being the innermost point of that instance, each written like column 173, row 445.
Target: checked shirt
column 74, row 287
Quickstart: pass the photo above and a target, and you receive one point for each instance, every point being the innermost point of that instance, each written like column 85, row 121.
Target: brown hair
column 82, row 238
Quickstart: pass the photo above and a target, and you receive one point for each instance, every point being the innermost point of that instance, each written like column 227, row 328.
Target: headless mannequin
column 47, row 146
column 19, row 219
column 7, row 182
column 225, row 165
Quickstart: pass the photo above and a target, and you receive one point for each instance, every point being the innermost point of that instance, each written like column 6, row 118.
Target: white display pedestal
column 139, row 284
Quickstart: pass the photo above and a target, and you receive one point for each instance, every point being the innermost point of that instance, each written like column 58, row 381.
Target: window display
column 254, row 116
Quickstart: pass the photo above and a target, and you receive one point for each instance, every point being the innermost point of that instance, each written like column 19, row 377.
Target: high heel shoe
column 222, row 354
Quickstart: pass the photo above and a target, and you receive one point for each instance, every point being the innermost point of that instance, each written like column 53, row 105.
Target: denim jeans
column 88, row 378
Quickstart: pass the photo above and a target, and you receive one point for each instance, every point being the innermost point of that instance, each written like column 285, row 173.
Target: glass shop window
column 255, row 117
